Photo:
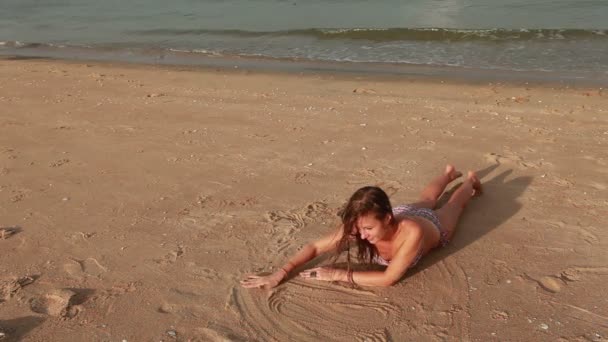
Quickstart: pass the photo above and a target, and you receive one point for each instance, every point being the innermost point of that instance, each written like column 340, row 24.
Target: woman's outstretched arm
column 304, row 255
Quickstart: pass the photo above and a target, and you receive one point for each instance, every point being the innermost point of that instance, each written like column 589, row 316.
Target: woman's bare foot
column 451, row 172
column 475, row 183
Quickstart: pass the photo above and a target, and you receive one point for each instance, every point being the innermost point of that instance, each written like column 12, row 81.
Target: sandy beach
column 133, row 199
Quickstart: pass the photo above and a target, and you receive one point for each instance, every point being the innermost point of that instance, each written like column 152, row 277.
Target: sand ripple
column 307, row 311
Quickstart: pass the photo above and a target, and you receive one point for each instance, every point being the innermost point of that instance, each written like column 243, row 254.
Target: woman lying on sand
column 395, row 237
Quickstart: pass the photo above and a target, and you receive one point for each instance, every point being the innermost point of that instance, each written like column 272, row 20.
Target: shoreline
column 372, row 70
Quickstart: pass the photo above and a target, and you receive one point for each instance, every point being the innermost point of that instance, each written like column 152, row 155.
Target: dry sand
column 134, row 198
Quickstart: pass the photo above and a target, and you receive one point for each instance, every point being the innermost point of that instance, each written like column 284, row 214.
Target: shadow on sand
column 481, row 215
column 16, row 329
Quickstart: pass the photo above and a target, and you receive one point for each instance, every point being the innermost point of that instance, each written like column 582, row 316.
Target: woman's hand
column 264, row 282
column 324, row 274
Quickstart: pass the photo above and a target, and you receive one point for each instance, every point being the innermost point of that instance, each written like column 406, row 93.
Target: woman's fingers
column 305, row 273
column 248, row 283
column 252, row 276
column 250, row 279
column 262, row 282
column 251, row 286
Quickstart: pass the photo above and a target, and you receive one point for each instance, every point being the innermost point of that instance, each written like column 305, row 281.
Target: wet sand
column 133, row 199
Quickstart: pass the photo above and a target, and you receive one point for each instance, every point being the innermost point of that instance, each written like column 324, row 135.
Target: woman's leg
column 451, row 211
column 430, row 194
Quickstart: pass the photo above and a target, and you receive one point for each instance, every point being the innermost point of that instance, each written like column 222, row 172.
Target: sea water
column 568, row 36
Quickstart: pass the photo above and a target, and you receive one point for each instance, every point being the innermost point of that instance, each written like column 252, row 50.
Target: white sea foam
column 13, row 44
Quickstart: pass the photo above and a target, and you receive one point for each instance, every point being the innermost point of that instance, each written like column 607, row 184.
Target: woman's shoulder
column 409, row 229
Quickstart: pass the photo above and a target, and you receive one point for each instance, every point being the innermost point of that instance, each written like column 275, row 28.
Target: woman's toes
column 449, row 169
column 472, row 177
column 451, row 172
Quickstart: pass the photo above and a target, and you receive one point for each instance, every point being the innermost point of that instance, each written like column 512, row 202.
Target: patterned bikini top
column 380, row 260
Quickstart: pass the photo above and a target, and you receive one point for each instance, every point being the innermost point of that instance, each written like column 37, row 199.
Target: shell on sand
column 550, row 284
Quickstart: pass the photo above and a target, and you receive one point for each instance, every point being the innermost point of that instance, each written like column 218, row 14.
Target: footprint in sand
column 560, row 181
column 576, row 273
column 301, row 178
column 284, row 224
column 572, row 232
column 55, row 303
column 596, row 160
column 201, row 220
column 500, row 315
column 58, row 163
column 10, row 153
column 588, row 237
column 510, row 158
column 7, row 232
column 555, row 283
column 364, row 176
column 211, row 202
column 500, row 271
column 17, row 196
column 429, row 145
column 300, row 217
column 390, row 187
column 185, row 301
column 79, row 269
column 172, row 256
column 199, row 272
column 597, row 186
column 10, row 287
column 447, row 283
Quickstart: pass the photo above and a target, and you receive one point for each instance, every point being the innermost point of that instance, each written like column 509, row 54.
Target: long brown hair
column 366, row 200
